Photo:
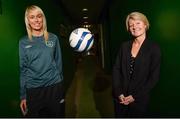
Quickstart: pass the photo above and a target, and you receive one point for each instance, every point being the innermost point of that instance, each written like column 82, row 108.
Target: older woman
column 136, row 70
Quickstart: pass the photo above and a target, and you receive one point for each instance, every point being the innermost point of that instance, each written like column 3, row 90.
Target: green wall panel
column 11, row 29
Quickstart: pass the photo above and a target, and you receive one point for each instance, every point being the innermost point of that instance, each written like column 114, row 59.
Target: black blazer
column 146, row 70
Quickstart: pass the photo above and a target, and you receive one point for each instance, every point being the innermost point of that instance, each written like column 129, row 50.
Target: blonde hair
column 28, row 27
column 137, row 16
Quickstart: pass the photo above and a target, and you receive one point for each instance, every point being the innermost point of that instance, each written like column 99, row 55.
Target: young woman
column 136, row 69
column 41, row 77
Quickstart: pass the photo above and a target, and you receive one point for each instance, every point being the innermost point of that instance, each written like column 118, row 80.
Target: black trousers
column 46, row 101
column 136, row 109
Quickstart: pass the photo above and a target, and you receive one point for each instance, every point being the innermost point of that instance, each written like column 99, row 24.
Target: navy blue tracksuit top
column 40, row 62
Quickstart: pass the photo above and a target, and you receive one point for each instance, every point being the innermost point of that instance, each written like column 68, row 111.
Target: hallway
column 89, row 94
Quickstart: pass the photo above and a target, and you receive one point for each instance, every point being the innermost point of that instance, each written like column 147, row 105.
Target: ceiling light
column 84, row 9
column 85, row 17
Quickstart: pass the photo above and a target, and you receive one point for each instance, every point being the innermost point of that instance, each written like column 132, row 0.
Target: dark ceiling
column 73, row 9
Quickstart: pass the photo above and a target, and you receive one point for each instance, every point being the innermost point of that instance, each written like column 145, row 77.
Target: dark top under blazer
column 146, row 70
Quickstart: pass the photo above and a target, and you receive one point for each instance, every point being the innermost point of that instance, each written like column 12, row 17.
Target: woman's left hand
column 127, row 100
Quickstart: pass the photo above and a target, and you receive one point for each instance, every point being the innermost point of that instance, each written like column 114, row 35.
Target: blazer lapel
column 142, row 50
column 139, row 57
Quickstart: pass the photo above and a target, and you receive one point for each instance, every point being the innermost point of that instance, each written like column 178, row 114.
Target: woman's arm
column 22, row 63
column 154, row 71
column 58, row 57
column 116, row 79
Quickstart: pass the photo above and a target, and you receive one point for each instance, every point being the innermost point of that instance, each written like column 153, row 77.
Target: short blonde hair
column 28, row 27
column 137, row 16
